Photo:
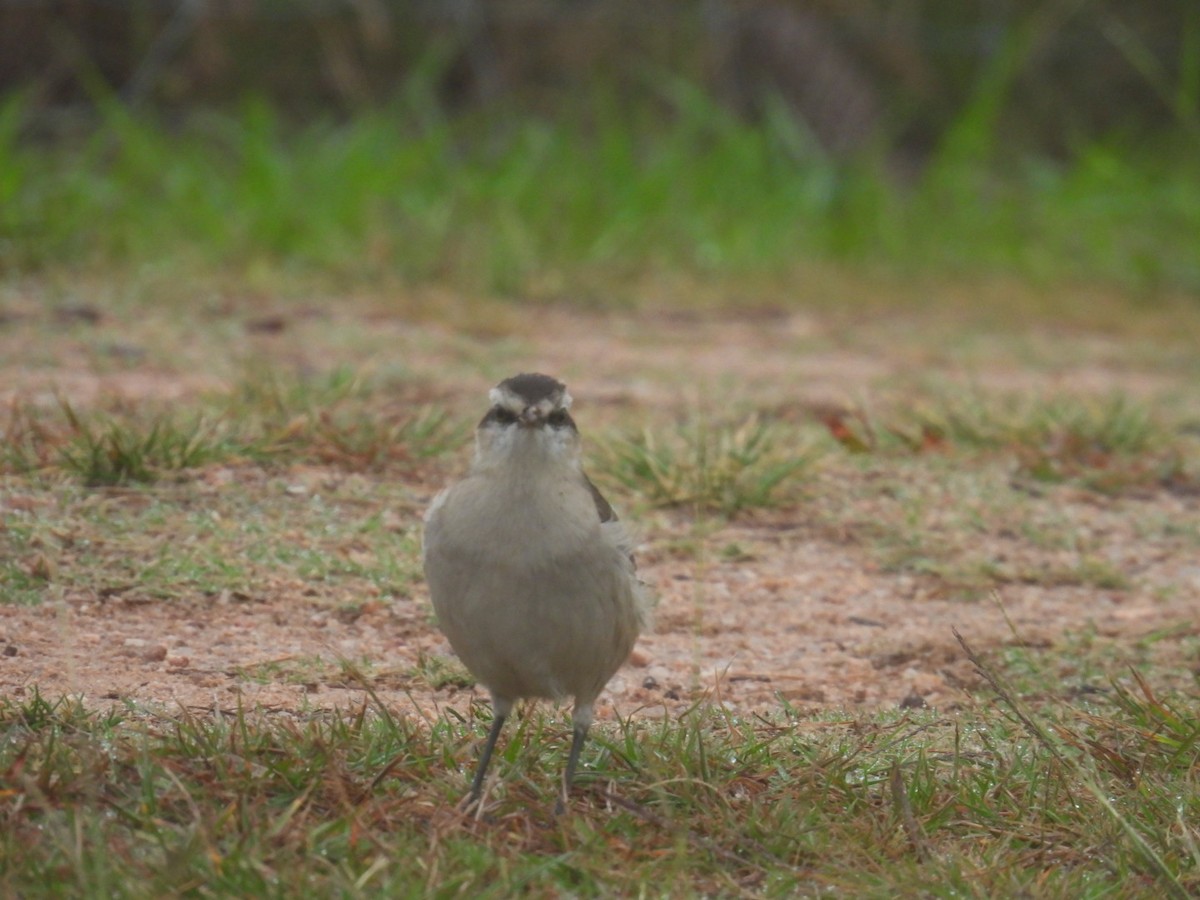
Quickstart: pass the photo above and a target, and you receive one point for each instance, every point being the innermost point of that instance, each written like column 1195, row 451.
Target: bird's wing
column 608, row 514
column 603, row 507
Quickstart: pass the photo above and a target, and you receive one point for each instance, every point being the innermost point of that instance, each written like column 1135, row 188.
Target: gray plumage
column 530, row 572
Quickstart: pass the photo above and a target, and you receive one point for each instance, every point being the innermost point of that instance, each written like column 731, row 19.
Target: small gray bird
column 531, row 575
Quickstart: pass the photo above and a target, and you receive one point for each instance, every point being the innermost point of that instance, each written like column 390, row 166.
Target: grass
column 336, row 420
column 1061, row 771
column 574, row 208
column 1067, row 767
column 245, row 535
column 1061, row 798
column 709, row 466
column 111, row 453
column 1109, row 444
column 961, row 487
column 964, row 532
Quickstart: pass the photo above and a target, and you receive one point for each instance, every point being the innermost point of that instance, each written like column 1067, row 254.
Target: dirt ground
column 798, row 611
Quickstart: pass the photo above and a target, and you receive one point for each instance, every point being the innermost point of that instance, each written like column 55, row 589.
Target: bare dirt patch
column 846, row 598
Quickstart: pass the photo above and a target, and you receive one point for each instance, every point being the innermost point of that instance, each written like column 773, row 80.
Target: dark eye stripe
column 560, row 418
column 500, row 415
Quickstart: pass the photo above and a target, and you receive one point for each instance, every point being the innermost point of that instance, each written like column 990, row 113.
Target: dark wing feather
column 603, row 507
column 605, row 511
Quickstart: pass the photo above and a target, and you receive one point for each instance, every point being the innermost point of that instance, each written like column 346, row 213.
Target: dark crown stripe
column 532, row 387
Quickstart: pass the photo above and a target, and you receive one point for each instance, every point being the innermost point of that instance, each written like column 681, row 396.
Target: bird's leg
column 486, row 757
column 580, row 735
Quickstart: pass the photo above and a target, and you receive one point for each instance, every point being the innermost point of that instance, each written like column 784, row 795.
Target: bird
column 530, row 572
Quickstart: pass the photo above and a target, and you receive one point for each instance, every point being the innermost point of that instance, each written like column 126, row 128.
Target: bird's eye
column 503, row 415
column 558, row 418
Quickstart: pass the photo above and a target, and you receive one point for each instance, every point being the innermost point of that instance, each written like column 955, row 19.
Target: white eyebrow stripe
column 502, row 396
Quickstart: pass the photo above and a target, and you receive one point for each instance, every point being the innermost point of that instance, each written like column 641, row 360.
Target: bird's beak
column 530, row 417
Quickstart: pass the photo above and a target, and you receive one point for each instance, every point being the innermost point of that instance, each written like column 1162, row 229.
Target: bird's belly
column 531, row 625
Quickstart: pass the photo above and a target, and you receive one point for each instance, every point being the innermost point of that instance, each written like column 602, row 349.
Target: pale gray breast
column 536, row 594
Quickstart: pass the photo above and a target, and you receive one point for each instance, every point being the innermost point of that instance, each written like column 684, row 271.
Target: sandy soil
column 799, row 613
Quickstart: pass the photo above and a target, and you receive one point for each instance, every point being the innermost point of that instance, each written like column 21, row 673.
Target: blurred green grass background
column 618, row 179
column 514, row 205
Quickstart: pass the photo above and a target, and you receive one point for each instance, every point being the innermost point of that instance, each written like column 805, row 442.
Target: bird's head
column 529, row 421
